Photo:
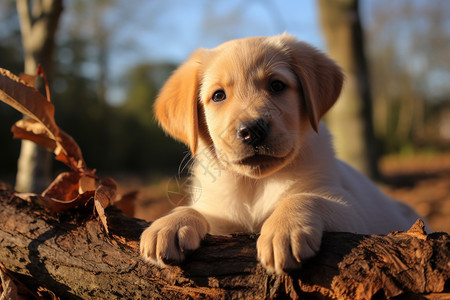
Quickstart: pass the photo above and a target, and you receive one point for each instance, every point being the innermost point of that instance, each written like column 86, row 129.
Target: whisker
column 185, row 162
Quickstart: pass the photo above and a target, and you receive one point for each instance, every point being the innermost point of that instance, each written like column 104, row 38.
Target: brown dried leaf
column 8, row 290
column 86, row 183
column 104, row 196
column 64, row 187
column 101, row 213
column 71, row 155
column 34, row 131
column 22, row 289
column 24, row 196
column 106, row 192
column 69, row 189
column 47, row 294
column 16, row 93
column 56, row 205
column 29, row 80
column 62, row 194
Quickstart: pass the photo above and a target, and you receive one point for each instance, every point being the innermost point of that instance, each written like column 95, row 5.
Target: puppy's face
column 250, row 101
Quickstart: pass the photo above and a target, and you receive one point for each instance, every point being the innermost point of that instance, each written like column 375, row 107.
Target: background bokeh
column 112, row 56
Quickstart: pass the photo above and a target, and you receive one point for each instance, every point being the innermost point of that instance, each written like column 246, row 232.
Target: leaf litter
column 69, row 190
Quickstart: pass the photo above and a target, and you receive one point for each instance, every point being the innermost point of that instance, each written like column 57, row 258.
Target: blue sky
column 143, row 31
column 169, row 30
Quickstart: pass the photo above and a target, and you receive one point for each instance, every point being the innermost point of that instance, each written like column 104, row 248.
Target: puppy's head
column 250, row 101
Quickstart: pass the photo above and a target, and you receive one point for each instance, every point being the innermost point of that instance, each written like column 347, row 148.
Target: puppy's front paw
column 283, row 244
column 168, row 239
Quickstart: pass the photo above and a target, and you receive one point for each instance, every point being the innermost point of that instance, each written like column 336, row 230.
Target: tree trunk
column 350, row 119
column 72, row 256
column 38, row 26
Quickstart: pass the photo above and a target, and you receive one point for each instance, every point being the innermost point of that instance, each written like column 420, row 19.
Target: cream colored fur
column 295, row 189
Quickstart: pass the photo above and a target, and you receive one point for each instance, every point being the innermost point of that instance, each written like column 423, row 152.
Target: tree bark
column 38, row 24
column 71, row 255
column 350, row 120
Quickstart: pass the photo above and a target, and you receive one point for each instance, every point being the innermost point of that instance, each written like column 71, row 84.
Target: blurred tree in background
column 351, row 117
column 38, row 24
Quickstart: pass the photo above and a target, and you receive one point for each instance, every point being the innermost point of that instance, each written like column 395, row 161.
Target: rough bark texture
column 71, row 256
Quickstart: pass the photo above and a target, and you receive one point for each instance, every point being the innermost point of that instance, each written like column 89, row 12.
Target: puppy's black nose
column 253, row 132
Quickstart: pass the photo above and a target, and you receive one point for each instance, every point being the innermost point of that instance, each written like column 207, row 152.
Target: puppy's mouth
column 260, row 160
column 257, row 165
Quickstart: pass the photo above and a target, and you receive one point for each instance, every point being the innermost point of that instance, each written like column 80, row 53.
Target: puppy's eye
column 219, row 96
column 277, row 86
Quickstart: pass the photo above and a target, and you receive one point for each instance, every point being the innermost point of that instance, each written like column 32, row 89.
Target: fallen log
column 73, row 257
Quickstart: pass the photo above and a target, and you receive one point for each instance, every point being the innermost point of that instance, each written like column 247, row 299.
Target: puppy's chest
column 245, row 203
column 264, row 201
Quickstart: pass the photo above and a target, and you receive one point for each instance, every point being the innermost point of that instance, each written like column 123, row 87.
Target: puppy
column 250, row 112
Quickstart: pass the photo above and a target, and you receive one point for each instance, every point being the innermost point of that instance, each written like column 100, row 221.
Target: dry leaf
column 34, row 131
column 8, row 290
column 106, row 192
column 16, row 93
column 29, row 80
column 86, row 183
column 46, row 293
column 70, row 153
column 101, row 213
column 8, row 281
column 56, row 205
column 61, row 194
column 69, row 189
column 104, row 196
column 64, row 187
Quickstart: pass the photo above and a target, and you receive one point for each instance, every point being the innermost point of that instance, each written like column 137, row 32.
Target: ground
column 421, row 181
column 424, row 183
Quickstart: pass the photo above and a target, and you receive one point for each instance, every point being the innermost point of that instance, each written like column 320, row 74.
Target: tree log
column 71, row 255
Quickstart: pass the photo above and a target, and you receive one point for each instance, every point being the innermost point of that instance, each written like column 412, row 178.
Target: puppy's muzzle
column 254, row 132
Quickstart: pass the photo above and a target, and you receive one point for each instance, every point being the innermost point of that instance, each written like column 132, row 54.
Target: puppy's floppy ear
column 176, row 105
column 320, row 78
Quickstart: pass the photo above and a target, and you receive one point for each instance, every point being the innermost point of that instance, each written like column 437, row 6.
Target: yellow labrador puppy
column 250, row 112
